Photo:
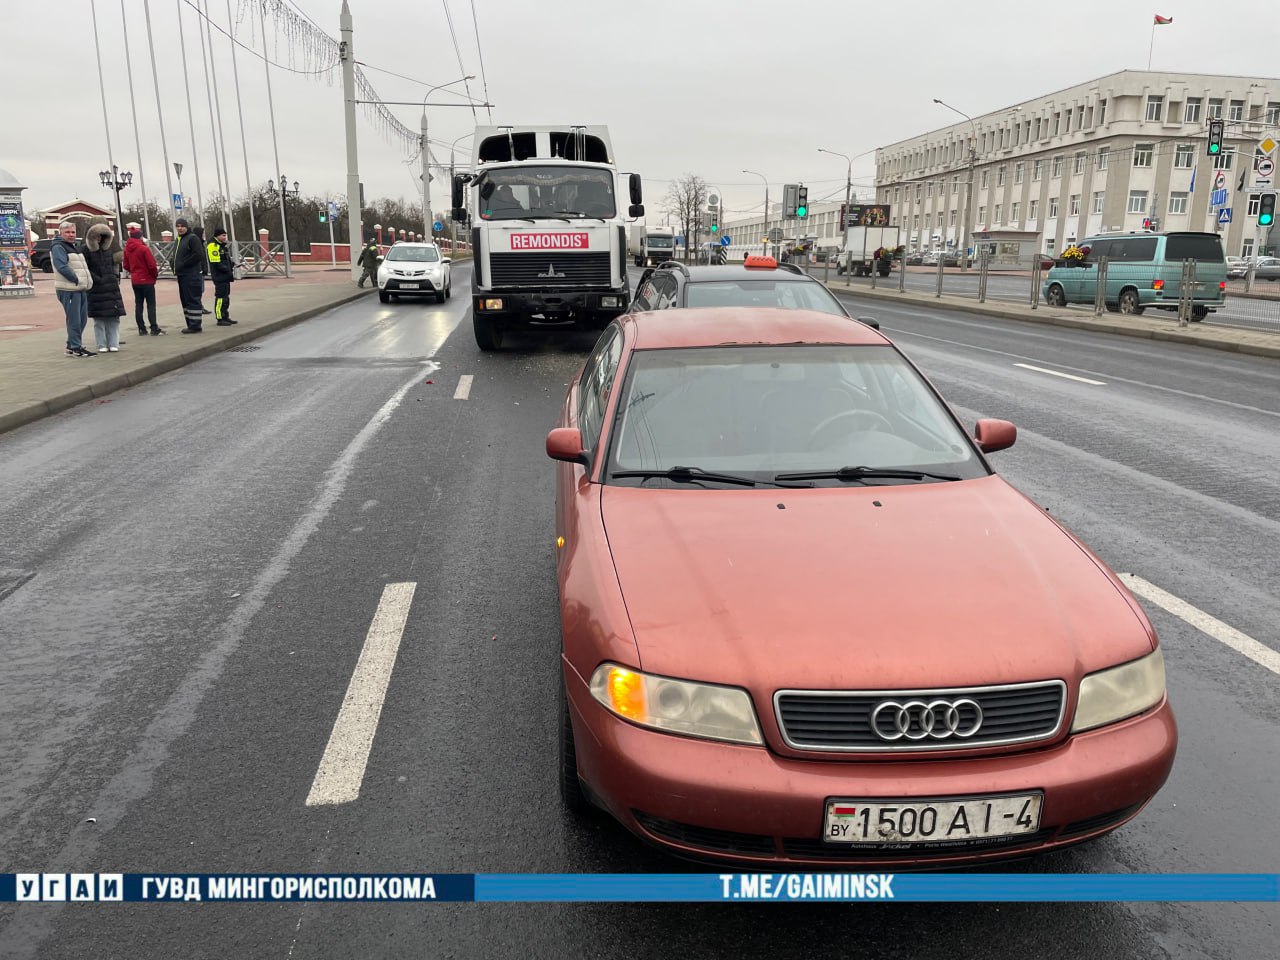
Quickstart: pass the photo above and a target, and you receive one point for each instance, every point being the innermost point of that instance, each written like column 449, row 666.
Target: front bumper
column 422, row 284
column 555, row 307
column 749, row 807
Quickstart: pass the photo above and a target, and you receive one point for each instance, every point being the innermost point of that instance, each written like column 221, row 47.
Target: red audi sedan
column 804, row 624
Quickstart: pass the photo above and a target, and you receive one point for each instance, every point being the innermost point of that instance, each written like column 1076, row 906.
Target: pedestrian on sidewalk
column 71, row 282
column 188, row 266
column 106, row 305
column 369, row 260
column 198, row 230
column 222, row 267
column 141, row 264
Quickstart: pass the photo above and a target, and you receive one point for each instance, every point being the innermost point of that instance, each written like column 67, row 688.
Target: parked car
column 40, row 257
column 914, row 259
column 969, row 684
column 1143, row 270
column 1268, row 268
column 1237, row 268
column 414, row 269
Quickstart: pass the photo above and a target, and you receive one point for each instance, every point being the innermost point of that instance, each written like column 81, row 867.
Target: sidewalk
column 37, row 379
column 1258, row 343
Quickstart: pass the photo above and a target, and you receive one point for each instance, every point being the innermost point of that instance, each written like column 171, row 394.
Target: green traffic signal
column 1267, row 210
column 802, row 211
column 1215, row 148
column 715, row 227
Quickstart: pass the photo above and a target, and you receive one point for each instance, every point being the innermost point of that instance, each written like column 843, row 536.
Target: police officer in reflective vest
column 222, row 268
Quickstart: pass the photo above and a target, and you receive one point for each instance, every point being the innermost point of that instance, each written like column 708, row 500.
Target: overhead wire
column 480, row 53
column 458, row 50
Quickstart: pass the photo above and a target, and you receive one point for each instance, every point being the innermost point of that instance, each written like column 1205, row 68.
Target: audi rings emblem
column 920, row 719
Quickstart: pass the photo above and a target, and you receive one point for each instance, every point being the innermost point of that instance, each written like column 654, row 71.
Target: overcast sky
column 684, row 85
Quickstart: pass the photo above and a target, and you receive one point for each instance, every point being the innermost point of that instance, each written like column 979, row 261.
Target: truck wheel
column 488, row 332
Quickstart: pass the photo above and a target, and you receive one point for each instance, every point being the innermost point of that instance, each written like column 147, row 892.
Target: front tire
column 439, row 296
column 448, row 290
column 1055, row 296
column 1129, row 303
column 572, row 795
column 488, row 332
column 384, row 296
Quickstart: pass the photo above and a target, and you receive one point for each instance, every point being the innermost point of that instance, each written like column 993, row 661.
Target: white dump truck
column 650, row 246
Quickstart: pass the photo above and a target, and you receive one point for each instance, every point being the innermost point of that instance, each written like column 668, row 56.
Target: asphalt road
column 188, row 574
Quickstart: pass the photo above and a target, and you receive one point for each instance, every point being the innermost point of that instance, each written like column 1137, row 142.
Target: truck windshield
column 550, row 191
column 660, row 243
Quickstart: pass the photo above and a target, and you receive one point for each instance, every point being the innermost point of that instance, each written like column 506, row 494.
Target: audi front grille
column 891, row 721
column 550, row 268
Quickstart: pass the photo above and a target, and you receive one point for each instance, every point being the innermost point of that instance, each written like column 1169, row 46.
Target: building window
column 897, row 194
column 1184, row 156
column 1053, row 207
column 1273, row 113
column 915, row 222
column 955, row 186
column 1016, row 213
column 1057, row 166
column 1037, row 171
column 928, row 189
column 1057, row 124
column 1177, row 204
column 1080, row 116
column 1017, row 173
column 1237, row 110
column 1155, row 108
column 1089, row 120
column 1075, row 205
column 939, row 218
column 1137, row 201
column 985, row 178
column 1254, row 200
column 999, row 213
column 1102, row 112
column 1215, row 108
column 1192, row 112
column 1033, row 209
column 1142, row 154
column 1103, row 154
column 1000, row 177
column 982, row 215
column 1078, row 166
column 917, row 193
column 1037, row 136
column 1223, row 160
column 1246, row 251
column 1097, row 202
column 953, row 218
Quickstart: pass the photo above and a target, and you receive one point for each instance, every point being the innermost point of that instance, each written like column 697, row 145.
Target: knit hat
column 181, row 222
column 135, row 233
column 220, row 232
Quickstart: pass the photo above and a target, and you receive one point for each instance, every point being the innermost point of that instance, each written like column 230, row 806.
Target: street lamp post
column 426, row 161
column 766, row 209
column 116, row 180
column 453, row 233
column 848, row 180
column 284, row 193
column 968, row 195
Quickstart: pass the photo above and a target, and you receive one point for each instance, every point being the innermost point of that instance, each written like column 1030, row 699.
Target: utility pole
column 766, row 208
column 426, row 181
column 346, row 53
column 275, row 146
column 968, row 195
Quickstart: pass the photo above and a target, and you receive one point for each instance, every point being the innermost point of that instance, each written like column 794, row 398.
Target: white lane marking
column 464, row 387
column 1224, row 633
column 342, row 767
column 1059, row 373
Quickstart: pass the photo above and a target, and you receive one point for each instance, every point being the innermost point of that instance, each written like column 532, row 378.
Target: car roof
column 413, row 243
column 731, row 271
column 729, row 326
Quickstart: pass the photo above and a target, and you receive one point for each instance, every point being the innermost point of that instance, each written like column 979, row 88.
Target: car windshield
column 414, row 254
column 757, row 411
column 546, row 191
column 791, row 294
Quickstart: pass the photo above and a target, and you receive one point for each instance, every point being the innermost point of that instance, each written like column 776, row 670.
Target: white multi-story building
column 1105, row 155
column 823, row 222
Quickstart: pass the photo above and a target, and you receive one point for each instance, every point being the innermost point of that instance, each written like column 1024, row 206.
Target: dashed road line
column 464, row 387
column 342, row 767
column 1207, row 624
column 1059, row 373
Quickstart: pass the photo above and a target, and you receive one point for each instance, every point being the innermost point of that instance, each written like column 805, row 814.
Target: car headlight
column 677, row 706
column 1119, row 692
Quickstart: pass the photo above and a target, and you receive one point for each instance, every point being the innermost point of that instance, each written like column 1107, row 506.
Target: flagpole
column 1152, row 48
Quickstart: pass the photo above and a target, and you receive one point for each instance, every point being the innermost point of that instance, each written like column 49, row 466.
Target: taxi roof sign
column 760, row 262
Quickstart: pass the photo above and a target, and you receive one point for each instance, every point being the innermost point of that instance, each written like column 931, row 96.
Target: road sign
column 1218, row 198
column 177, row 201
column 724, row 240
column 1224, row 215
column 1219, row 180
column 1265, row 166
column 775, row 234
column 1267, row 144
column 333, row 208
column 437, row 226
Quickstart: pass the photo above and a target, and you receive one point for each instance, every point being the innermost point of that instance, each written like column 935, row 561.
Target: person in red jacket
column 141, row 264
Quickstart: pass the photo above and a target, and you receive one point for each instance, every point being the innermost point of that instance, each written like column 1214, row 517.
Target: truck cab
column 548, row 230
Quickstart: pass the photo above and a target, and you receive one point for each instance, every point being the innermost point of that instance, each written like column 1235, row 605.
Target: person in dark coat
column 222, row 268
column 106, row 305
column 141, row 264
column 369, row 261
column 188, row 267
column 198, row 230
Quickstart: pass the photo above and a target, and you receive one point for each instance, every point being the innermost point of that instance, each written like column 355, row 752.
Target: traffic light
column 790, row 196
column 713, row 213
column 1215, row 137
column 324, row 217
column 802, row 202
column 1267, row 210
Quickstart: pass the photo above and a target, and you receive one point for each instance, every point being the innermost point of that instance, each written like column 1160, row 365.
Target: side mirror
column 460, row 215
column 636, row 195
column 446, row 259
column 458, row 188
column 870, row 322
column 565, row 443
column 635, row 210
column 993, row 435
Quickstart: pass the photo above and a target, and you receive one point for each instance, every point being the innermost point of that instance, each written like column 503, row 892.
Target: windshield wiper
column 580, row 215
column 858, row 474
column 697, row 475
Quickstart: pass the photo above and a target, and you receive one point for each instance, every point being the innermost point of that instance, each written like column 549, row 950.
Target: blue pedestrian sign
column 437, row 226
column 1224, row 215
column 1218, row 199
column 177, row 201
column 725, row 241
column 333, row 210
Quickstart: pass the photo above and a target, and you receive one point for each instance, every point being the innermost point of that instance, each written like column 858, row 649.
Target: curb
column 65, row 401
column 1077, row 323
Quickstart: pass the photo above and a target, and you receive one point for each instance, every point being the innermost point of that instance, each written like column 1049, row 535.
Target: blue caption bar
column 638, row 888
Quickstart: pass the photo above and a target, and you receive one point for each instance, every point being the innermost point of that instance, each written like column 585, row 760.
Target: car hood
column 887, row 587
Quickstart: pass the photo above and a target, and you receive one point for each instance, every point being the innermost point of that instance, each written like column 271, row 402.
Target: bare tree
column 685, row 201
